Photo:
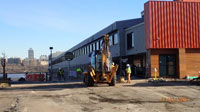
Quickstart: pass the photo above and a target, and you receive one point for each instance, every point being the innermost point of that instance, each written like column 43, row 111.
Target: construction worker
column 128, row 72
column 61, row 74
column 78, row 71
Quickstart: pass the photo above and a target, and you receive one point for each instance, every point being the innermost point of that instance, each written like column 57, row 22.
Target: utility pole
column 5, row 81
column 51, row 71
column 3, row 63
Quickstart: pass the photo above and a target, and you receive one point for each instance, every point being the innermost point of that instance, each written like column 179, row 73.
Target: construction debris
column 153, row 80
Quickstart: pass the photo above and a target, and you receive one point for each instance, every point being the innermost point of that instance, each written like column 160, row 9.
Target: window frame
column 97, row 45
column 115, row 37
column 130, row 40
column 111, row 40
column 91, row 48
column 133, row 40
column 101, row 43
column 88, row 49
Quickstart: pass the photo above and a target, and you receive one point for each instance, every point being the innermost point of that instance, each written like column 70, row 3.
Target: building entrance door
column 167, row 64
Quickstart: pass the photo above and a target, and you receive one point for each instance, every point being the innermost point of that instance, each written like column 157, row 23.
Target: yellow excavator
column 101, row 68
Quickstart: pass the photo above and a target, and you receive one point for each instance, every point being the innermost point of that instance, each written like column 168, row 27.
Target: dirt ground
column 139, row 96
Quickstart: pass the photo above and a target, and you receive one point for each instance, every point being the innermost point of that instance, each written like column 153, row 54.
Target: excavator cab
column 96, row 62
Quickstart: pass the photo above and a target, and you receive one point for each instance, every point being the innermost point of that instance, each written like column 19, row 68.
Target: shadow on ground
column 46, row 86
column 168, row 83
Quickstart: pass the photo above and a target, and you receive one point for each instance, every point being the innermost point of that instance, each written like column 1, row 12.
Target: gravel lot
column 139, row 96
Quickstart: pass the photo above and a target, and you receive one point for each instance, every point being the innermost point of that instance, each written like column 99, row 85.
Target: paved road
column 75, row 97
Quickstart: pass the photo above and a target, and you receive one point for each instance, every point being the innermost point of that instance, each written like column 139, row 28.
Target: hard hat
column 113, row 63
column 127, row 65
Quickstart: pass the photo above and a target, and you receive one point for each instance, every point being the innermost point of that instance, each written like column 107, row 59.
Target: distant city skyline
column 28, row 55
column 40, row 24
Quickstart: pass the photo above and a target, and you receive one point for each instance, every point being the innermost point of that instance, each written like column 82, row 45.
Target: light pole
column 51, row 71
column 3, row 63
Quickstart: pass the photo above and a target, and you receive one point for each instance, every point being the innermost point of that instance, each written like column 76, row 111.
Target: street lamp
column 51, row 71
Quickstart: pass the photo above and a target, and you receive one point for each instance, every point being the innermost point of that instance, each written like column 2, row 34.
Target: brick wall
column 192, row 61
column 188, row 61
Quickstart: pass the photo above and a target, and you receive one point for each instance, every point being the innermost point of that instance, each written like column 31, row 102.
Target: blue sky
column 39, row 24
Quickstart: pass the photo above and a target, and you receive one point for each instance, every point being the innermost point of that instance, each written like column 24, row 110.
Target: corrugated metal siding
column 172, row 24
column 188, row 0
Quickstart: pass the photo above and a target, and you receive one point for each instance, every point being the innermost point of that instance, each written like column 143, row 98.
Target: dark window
column 85, row 49
column 88, row 48
column 97, row 45
column 130, row 40
column 75, row 54
column 81, row 51
column 167, row 65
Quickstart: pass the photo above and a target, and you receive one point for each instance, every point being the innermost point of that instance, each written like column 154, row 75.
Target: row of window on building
column 97, row 45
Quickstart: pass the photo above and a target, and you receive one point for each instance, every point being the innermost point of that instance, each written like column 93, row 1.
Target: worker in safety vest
column 61, row 74
column 78, row 71
column 128, row 72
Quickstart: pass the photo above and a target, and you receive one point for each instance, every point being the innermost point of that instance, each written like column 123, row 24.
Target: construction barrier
column 35, row 77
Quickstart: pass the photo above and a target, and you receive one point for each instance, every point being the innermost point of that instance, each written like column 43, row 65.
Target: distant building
column 44, row 63
column 30, row 62
column 25, row 62
column 43, row 60
column 57, row 53
column 33, row 62
column 54, row 55
column 30, row 53
column 14, row 61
